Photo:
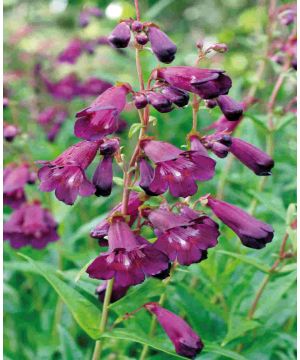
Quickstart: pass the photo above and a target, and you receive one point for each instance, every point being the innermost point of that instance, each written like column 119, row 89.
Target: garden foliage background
column 215, row 296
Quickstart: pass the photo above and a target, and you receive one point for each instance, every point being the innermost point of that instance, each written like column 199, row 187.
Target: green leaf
column 118, row 181
column 259, row 120
column 158, row 344
column 285, row 121
column 246, row 259
column 237, row 327
column 134, row 128
column 216, row 349
column 69, row 347
column 86, row 314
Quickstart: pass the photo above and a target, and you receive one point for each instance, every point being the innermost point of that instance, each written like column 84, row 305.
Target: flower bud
column 140, row 101
column 161, row 44
column 232, row 109
column 210, row 104
column 159, row 102
column 220, row 48
column 137, row 26
column 109, row 147
column 176, row 96
column 199, row 44
column 5, row 102
column 219, row 149
column 103, row 177
column 141, row 39
column 120, row 36
column 10, row 131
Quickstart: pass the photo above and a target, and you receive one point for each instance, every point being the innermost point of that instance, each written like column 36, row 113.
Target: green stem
column 104, row 316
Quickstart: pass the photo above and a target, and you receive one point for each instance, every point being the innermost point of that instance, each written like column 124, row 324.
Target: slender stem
column 103, row 321
column 161, row 301
column 139, row 68
column 137, row 10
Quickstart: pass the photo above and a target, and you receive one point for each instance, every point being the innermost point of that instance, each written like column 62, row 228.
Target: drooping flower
column 184, row 237
column 103, row 176
column 146, row 176
column 232, row 109
column 101, row 118
column 120, row 36
column 30, row 225
column 10, row 131
column 51, row 119
column 162, row 46
column 65, row 89
column 14, row 179
column 187, row 343
column 66, row 173
column 176, row 169
column 252, row 232
column 206, row 83
column 130, row 258
column 72, row 52
column 134, row 202
column 255, row 159
column 176, row 96
column 159, row 102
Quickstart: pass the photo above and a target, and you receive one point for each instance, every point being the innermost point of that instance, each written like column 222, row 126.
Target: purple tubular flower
column 187, row 343
column 94, row 86
column 117, row 293
column 255, row 159
column 120, row 36
column 176, row 169
column 140, row 101
column 232, row 109
column 30, row 225
column 146, row 176
column 66, row 173
column 101, row 230
column 176, row 96
column 206, row 83
column 103, row 177
column 10, row 131
column 65, row 89
column 252, row 232
column 102, row 117
column 130, row 258
column 184, row 237
column 51, row 119
column 162, row 46
column 72, row 52
column 159, row 102
column 14, row 180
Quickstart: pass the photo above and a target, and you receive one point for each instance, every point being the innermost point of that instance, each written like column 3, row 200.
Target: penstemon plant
column 160, row 225
column 183, row 234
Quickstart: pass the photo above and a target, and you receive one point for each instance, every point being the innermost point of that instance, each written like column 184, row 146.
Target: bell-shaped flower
column 176, row 169
column 30, row 225
column 232, row 109
column 206, row 83
column 184, row 237
column 120, row 36
column 187, row 343
column 102, row 117
column 162, row 46
column 130, row 258
column 252, row 232
column 255, row 159
column 66, row 173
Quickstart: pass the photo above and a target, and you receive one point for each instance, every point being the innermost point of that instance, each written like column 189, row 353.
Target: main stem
column 104, row 316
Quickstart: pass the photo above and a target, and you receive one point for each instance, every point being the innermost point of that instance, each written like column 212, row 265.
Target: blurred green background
column 214, row 296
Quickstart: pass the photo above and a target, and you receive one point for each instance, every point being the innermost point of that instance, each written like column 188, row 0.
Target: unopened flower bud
column 161, row 44
column 199, row 44
column 137, row 26
column 176, row 96
column 140, row 101
column 159, row 102
column 141, row 39
column 120, row 36
column 232, row 109
column 109, row 147
column 219, row 149
column 210, row 104
column 10, row 131
column 220, row 48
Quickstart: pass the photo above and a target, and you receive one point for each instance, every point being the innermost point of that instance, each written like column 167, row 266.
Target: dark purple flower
column 51, row 119
column 183, row 237
column 94, row 86
column 232, row 109
column 101, row 230
column 162, row 46
column 252, row 232
column 140, row 101
column 14, row 180
column 30, row 225
column 65, row 89
column 130, row 258
column 117, row 293
column 66, row 173
column 255, row 159
column 187, row 343
column 101, row 118
column 72, row 52
column 146, row 176
column 10, row 131
column 176, row 96
column 176, row 169
column 159, row 102
column 120, row 36
column 206, row 83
